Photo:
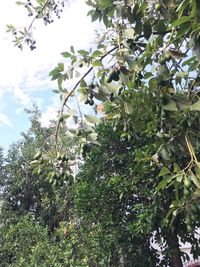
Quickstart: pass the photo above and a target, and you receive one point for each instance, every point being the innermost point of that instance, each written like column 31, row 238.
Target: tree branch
column 72, row 91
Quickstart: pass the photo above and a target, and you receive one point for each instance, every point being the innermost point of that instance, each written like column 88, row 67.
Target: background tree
column 35, row 201
column 115, row 198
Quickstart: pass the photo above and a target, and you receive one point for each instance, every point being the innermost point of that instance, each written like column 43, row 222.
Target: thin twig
column 193, row 83
column 43, row 8
column 79, row 108
column 33, row 20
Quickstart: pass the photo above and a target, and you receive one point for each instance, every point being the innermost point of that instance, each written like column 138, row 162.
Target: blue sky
column 24, row 75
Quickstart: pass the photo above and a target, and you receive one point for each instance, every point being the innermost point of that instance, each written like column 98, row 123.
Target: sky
column 24, row 74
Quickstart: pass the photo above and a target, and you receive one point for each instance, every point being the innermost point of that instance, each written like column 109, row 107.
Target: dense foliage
column 139, row 169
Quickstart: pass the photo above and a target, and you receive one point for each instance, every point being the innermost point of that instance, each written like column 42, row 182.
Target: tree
column 36, row 200
column 30, row 189
column 143, row 76
column 115, row 199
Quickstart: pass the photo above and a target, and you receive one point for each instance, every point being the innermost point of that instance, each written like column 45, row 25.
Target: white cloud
column 5, row 120
column 22, row 97
column 50, row 114
column 25, row 73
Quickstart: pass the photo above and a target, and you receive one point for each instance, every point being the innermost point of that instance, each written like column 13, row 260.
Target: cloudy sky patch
column 24, row 74
column 4, row 120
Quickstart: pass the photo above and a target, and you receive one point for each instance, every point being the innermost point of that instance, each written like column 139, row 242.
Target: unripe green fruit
column 187, row 182
column 162, row 60
column 189, row 228
column 167, row 57
column 188, row 220
column 157, row 6
column 38, row 155
column 194, row 208
column 186, row 192
column 193, row 217
column 61, row 119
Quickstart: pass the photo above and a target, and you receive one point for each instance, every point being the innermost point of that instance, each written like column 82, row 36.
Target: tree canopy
column 131, row 127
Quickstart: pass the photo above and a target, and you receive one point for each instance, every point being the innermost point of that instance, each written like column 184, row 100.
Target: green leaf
column 60, row 81
column 34, row 163
column 83, row 53
column 103, row 4
column 66, row 54
column 83, row 97
column 72, row 131
column 180, row 21
column 195, row 180
column 56, row 91
column 97, row 53
column 97, row 63
column 121, row 195
column 61, row 66
column 147, row 29
column 95, row 15
column 177, row 169
column 142, row 7
column 182, row 74
column 83, row 83
column 92, row 119
column 128, row 108
column 182, row 6
column 162, row 185
column 111, row 87
column 164, row 171
column 195, row 106
column 19, row 3
column 130, row 61
column 92, row 137
column 160, row 26
column 129, row 33
column 179, row 178
column 102, row 96
column 171, row 106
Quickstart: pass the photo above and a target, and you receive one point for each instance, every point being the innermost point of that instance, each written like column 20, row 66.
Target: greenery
column 127, row 170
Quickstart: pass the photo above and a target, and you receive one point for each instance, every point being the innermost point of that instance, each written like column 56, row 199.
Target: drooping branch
column 73, row 90
column 40, row 12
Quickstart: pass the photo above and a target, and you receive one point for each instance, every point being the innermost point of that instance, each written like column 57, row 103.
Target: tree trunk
column 176, row 261
column 173, row 247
